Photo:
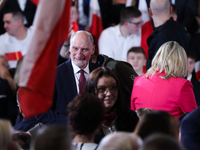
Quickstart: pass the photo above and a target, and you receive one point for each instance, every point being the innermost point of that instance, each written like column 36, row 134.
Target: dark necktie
column 82, row 81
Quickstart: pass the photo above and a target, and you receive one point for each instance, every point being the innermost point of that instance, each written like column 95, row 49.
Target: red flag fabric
column 35, row 2
column 38, row 72
column 147, row 29
column 95, row 22
column 197, row 69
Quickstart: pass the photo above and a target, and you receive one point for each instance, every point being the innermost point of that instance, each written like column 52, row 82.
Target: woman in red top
column 163, row 87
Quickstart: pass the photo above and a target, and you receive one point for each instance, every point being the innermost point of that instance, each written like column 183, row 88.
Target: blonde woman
column 163, row 87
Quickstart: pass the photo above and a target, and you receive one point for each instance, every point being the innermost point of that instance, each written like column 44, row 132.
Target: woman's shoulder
column 180, row 80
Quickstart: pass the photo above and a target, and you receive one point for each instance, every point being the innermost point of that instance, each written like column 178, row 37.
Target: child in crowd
column 137, row 58
column 191, row 65
column 191, row 77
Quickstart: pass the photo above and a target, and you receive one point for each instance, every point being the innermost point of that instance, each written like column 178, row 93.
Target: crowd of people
column 138, row 89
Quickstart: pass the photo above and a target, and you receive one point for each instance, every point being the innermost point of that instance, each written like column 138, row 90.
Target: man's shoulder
column 111, row 30
column 65, row 65
column 173, row 25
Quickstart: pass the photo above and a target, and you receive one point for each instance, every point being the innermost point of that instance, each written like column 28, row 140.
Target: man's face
column 191, row 65
column 10, row 24
column 81, row 49
column 134, row 25
column 137, row 60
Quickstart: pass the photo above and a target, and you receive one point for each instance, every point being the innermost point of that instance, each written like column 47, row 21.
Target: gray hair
column 121, row 141
column 89, row 36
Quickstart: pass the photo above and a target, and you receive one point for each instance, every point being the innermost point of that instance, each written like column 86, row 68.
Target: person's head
column 81, row 48
column 171, row 58
column 161, row 142
column 13, row 21
column 85, row 114
column 103, row 83
column 7, row 140
column 121, row 141
column 74, row 15
column 51, row 138
column 24, row 139
column 142, row 111
column 131, row 19
column 191, row 63
column 160, row 8
column 137, row 58
column 157, row 122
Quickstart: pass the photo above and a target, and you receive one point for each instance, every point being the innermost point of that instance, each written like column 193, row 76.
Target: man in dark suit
column 67, row 79
column 166, row 29
column 190, row 130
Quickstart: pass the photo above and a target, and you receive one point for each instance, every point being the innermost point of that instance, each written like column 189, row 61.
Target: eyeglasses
column 136, row 23
column 104, row 90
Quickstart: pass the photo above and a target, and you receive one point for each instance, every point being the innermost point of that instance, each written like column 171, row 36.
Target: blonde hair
column 143, row 111
column 5, row 134
column 171, row 58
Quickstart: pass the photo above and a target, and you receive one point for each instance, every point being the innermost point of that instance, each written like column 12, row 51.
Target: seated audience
column 103, row 83
column 52, row 138
column 137, row 58
column 7, row 139
column 14, row 43
column 121, row 141
column 163, row 87
column 157, row 122
column 161, row 142
column 190, row 130
column 116, row 41
column 85, row 114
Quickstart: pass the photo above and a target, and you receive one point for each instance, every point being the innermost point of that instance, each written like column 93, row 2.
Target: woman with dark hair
column 157, row 122
column 86, row 113
column 103, row 83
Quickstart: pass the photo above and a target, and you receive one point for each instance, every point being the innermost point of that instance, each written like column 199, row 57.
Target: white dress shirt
column 113, row 44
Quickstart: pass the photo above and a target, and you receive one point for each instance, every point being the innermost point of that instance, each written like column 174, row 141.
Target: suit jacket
column 65, row 91
column 190, row 130
column 174, row 95
column 169, row 31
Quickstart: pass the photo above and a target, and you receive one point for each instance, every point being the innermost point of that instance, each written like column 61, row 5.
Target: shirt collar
column 77, row 69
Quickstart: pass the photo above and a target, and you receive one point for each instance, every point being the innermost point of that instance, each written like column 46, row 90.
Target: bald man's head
column 159, row 7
